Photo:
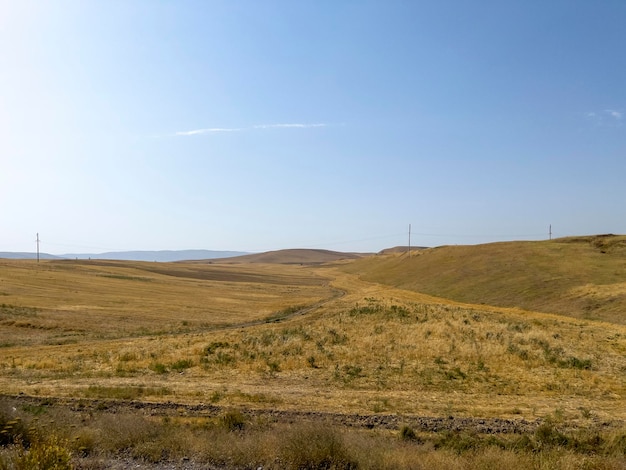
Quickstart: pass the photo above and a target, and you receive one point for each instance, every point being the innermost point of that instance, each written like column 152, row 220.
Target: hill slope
column 583, row 277
column 294, row 256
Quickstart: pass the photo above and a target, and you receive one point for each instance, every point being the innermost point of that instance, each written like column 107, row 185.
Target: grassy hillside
column 374, row 349
column 293, row 256
column 197, row 338
column 583, row 277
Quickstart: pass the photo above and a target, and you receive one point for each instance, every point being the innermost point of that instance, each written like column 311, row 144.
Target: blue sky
column 261, row 125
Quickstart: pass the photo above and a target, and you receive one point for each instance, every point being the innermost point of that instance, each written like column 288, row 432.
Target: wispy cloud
column 212, row 130
column 614, row 114
column 606, row 118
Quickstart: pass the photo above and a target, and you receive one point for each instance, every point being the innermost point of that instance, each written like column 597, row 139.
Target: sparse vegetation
column 83, row 436
column 373, row 350
column 582, row 277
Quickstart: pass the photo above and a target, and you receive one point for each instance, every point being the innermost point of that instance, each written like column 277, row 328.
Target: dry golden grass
column 583, row 277
column 99, row 439
column 57, row 302
column 377, row 349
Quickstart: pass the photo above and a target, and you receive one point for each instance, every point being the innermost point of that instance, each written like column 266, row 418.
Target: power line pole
column 550, row 231
column 38, row 247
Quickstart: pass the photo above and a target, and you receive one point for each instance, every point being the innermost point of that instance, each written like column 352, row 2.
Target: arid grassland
column 582, row 277
column 288, row 366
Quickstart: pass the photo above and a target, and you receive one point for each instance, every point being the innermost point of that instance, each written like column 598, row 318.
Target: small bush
column 233, row 421
column 548, row 435
column 309, row 447
column 159, row 368
column 122, row 432
column 575, row 363
column 407, row 433
column 13, row 430
column 49, row 454
column 459, row 442
column 181, row 365
column 273, row 367
column 214, row 346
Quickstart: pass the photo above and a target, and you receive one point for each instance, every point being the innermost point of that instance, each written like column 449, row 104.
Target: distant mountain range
column 162, row 256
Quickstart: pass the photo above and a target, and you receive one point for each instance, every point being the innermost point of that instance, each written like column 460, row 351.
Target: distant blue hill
column 162, row 256
column 24, row 255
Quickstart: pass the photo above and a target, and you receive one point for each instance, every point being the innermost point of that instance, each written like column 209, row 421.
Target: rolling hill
column 583, row 277
column 294, row 256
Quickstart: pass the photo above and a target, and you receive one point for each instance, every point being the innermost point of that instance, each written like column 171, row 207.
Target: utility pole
column 38, row 247
column 409, row 240
column 550, row 231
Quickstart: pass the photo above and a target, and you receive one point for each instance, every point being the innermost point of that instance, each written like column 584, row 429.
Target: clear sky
column 260, row 125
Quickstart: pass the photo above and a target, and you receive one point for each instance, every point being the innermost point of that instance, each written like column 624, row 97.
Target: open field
column 56, row 302
column 239, row 337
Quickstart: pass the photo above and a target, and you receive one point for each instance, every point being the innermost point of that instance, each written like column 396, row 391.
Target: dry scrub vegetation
column 41, row 435
column 181, row 333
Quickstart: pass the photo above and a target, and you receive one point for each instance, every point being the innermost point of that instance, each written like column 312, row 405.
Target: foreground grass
column 47, row 437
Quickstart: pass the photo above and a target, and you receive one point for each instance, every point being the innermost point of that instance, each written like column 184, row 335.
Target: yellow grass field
column 225, row 334
column 57, row 302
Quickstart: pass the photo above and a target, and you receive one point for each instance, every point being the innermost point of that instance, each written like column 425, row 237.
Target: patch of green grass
column 159, row 368
column 181, row 365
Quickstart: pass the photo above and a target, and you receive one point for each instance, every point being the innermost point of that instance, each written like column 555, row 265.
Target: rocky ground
column 370, row 421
